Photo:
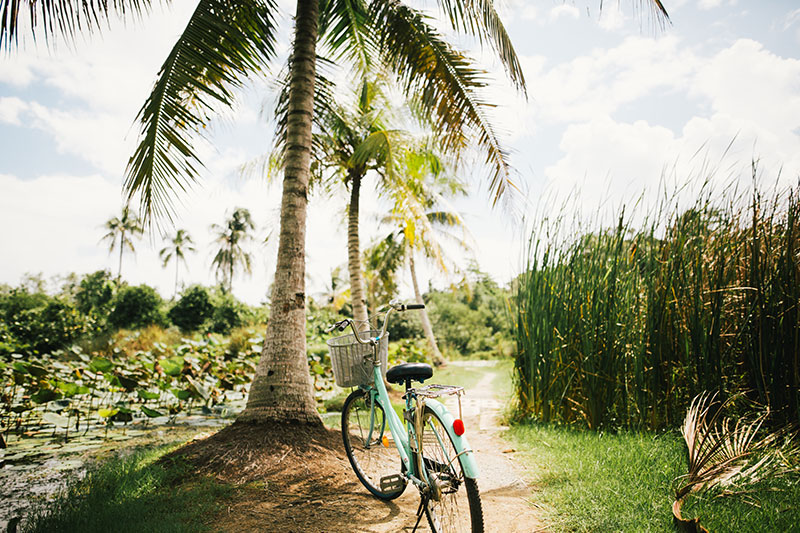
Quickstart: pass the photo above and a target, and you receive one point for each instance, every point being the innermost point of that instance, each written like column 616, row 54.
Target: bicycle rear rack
column 435, row 391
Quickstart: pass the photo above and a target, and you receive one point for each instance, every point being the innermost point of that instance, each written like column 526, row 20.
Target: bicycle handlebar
column 394, row 305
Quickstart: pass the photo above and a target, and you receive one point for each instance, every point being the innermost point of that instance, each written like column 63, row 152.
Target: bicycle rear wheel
column 455, row 506
column 370, row 447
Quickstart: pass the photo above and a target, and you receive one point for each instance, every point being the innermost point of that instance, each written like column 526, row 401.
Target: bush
column 137, row 307
column 228, row 314
column 43, row 329
column 95, row 295
column 192, row 310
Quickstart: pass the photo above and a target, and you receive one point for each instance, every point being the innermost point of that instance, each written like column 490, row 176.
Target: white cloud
column 612, row 19
column 709, row 4
column 10, row 110
column 563, row 11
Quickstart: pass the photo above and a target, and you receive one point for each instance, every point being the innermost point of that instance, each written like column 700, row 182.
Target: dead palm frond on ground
column 725, row 456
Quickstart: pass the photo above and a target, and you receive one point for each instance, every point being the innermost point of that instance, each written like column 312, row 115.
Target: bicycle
column 432, row 450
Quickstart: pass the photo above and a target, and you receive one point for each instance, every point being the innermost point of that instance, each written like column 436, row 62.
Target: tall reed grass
column 622, row 326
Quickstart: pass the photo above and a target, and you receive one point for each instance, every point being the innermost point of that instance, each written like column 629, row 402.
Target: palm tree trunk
column 438, row 359
column 281, row 389
column 177, row 265
column 354, row 255
column 121, row 247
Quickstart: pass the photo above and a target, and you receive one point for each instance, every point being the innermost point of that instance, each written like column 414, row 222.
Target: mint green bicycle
column 427, row 447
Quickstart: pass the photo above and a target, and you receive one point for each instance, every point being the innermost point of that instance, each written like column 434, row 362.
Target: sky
column 615, row 107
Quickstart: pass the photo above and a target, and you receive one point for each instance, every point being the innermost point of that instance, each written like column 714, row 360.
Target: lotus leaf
column 172, row 366
column 196, row 387
column 181, row 394
column 69, row 389
column 100, row 364
column 107, row 413
column 147, row 395
column 45, row 395
column 151, row 413
column 55, row 419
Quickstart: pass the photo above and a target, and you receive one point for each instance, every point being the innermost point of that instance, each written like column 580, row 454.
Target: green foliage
column 588, row 481
column 405, row 326
column 37, row 323
column 471, row 318
column 131, row 494
column 136, row 307
column 408, row 351
column 228, row 313
column 192, row 310
column 94, row 296
column 623, row 326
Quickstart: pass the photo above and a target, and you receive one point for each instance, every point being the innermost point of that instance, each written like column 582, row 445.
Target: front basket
column 352, row 361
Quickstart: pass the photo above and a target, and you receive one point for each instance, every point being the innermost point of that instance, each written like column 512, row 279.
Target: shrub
column 95, row 295
column 228, row 314
column 43, row 329
column 137, row 307
column 192, row 310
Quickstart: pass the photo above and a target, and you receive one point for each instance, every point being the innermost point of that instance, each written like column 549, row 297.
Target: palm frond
column 61, row 18
column 441, row 83
column 479, row 18
column 344, row 30
column 222, row 44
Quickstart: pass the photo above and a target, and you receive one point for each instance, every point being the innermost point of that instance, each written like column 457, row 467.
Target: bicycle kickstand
column 420, row 511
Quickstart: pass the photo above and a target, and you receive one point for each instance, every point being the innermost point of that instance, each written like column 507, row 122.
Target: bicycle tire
column 458, row 509
column 371, row 460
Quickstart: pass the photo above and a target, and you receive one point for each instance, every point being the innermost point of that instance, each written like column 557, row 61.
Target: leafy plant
column 136, row 307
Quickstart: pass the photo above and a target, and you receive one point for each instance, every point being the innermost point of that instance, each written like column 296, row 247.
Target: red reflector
column 458, row 426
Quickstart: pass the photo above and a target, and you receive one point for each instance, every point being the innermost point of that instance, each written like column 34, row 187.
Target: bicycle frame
column 400, row 435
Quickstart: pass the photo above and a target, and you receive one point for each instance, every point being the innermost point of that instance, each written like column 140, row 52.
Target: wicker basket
column 352, row 361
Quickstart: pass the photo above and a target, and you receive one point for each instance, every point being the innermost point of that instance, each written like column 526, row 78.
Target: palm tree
column 353, row 141
column 121, row 230
column 230, row 255
column 225, row 42
column 179, row 245
column 421, row 220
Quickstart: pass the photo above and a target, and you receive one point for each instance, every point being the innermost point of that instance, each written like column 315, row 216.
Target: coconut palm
column 355, row 140
column 422, row 220
column 121, row 230
column 226, row 42
column 230, row 237
column 179, row 245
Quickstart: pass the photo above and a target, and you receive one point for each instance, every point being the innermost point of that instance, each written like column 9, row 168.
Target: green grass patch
column 587, row 481
column 599, row 482
column 132, row 494
column 773, row 505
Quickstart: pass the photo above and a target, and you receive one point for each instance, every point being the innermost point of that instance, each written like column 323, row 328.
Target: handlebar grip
column 415, row 306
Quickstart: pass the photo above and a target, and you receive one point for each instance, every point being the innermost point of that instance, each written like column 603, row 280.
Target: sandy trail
column 504, row 492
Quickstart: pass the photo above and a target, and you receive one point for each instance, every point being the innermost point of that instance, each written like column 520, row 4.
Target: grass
column 131, row 494
column 587, row 481
column 597, row 482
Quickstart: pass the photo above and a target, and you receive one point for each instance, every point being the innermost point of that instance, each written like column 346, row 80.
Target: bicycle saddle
column 409, row 371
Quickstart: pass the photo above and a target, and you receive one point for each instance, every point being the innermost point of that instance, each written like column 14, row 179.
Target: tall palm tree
column 353, row 141
column 121, row 231
column 179, row 245
column 225, row 42
column 230, row 237
column 422, row 220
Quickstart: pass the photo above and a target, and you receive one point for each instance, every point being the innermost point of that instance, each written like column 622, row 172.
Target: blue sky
column 612, row 102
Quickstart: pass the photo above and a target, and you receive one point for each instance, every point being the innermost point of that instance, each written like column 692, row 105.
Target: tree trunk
column 354, row 256
column 177, row 266
column 121, row 246
column 438, row 359
column 281, row 390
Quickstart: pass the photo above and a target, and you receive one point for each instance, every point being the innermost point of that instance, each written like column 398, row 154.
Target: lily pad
column 100, row 364
column 107, row 413
column 55, row 419
column 151, row 413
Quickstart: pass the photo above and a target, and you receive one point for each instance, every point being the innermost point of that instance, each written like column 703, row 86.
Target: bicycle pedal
column 392, row 483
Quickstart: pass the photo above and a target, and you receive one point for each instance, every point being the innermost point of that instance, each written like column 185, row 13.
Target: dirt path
column 504, row 492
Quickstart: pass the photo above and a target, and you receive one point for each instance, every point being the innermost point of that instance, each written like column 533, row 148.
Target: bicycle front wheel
column 370, row 447
column 455, row 503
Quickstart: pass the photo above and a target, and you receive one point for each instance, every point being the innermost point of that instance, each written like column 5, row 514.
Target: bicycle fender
column 468, row 463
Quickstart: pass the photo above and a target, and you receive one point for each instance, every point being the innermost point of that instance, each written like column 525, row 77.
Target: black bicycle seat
column 409, row 371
